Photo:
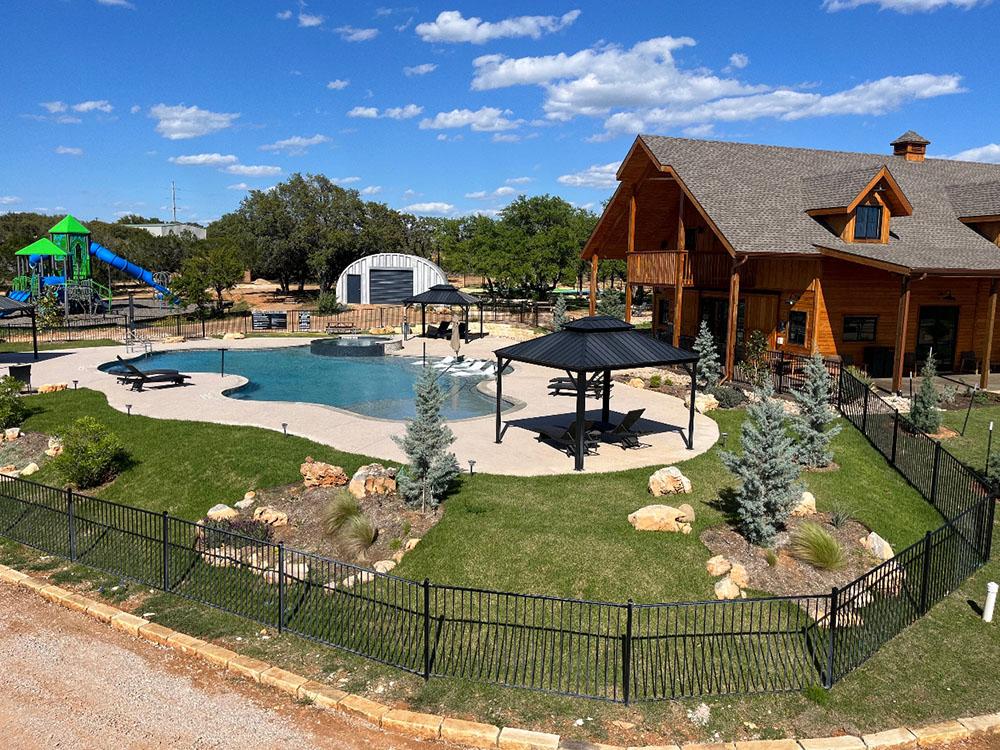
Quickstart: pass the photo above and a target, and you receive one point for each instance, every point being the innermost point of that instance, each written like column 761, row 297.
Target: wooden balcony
column 660, row 268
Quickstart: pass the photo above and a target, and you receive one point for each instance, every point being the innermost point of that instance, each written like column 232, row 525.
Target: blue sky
column 452, row 108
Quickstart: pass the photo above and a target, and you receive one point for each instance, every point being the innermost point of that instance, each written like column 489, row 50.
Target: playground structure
column 61, row 263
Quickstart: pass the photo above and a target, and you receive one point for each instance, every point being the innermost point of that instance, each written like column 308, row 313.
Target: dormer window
column 868, row 223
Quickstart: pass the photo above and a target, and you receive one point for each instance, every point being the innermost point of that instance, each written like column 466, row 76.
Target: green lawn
column 971, row 447
column 54, row 345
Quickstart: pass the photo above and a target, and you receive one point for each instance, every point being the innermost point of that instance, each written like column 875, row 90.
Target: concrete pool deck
column 521, row 454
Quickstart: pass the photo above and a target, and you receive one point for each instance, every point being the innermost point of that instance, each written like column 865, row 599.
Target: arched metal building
column 387, row 279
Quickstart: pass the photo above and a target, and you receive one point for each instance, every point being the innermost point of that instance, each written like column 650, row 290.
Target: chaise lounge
column 565, row 437
column 624, row 432
column 138, row 378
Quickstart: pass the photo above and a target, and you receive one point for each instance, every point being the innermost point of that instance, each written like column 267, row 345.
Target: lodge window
column 860, row 327
column 868, row 223
column 691, row 238
column 797, row 327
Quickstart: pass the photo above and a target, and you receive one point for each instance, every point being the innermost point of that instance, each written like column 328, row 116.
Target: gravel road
column 67, row 681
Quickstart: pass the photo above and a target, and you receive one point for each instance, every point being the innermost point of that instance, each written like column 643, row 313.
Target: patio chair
column 444, row 330
column 138, row 378
column 565, row 437
column 559, row 386
column 22, row 374
column 625, row 433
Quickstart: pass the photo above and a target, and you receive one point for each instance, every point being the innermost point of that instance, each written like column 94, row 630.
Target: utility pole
column 173, row 200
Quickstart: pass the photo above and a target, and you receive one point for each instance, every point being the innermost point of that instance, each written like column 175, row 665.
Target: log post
column 984, row 370
column 593, row 283
column 902, row 320
column 734, row 303
column 679, row 269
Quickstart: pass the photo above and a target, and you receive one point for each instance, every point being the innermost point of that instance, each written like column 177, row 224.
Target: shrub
column 771, row 556
column 709, row 367
column 655, row 382
column 358, row 534
column 327, row 304
column 727, row 396
column 755, row 363
column 840, row 514
column 993, row 471
column 12, row 409
column 559, row 317
column 813, row 544
column 924, row 412
column 242, row 306
column 861, row 375
column 815, row 415
column 340, row 510
column 219, row 533
column 92, row 454
column 611, row 302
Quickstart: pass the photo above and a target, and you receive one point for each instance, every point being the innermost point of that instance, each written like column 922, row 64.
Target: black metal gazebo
column 446, row 295
column 591, row 347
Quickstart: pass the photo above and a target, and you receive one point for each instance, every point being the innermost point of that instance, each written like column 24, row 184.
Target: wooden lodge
column 873, row 259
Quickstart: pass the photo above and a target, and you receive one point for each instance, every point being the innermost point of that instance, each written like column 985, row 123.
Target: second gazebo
column 445, row 295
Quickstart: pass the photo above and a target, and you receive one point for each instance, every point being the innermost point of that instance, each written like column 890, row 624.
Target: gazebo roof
column 69, row 225
column 44, row 246
column 600, row 342
column 9, row 306
column 443, row 294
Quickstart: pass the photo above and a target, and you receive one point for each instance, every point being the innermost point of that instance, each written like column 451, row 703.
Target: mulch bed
column 28, row 448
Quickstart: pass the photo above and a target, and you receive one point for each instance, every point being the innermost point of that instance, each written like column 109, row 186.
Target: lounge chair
column 22, row 374
column 138, row 378
column 565, row 437
column 561, row 385
column 624, row 432
column 126, row 378
column 443, row 331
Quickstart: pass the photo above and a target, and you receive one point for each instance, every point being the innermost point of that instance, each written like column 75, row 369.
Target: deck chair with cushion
column 138, row 378
column 444, row 330
column 22, row 374
column 625, row 432
column 565, row 437
column 559, row 386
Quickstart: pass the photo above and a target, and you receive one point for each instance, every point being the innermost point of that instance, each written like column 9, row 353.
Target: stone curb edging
column 461, row 732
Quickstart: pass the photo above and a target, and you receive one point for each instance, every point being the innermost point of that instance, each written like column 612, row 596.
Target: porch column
column 628, row 300
column 902, row 319
column 734, row 302
column 581, row 418
column 678, row 297
column 694, row 395
column 629, row 250
column 593, row 284
column 984, row 370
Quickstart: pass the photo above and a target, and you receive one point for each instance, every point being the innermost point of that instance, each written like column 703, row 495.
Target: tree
column 191, row 285
column 48, row 311
column 431, row 468
column 767, row 469
column 611, row 302
column 216, row 265
column 559, row 317
column 755, row 363
column 815, row 415
column 709, row 367
column 923, row 411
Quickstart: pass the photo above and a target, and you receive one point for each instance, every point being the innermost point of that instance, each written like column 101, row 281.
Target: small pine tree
column 923, row 411
column 611, row 302
column 559, row 318
column 767, row 469
column 709, row 366
column 815, row 415
column 431, row 467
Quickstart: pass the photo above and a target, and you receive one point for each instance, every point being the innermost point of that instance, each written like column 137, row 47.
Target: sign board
column 266, row 320
column 305, row 320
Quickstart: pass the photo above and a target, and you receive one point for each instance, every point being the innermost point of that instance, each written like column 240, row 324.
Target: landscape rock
column 10, row 471
column 30, row 469
column 233, row 336
column 668, row 481
column 174, row 340
column 726, row 589
column 397, row 556
column 52, row 387
column 738, row 574
column 703, row 402
column 718, row 566
column 12, row 433
column 222, row 512
column 318, row 474
column 658, row 518
column 298, row 571
column 249, row 495
column 270, row 516
column 384, row 566
column 688, row 512
column 637, row 383
column 878, row 546
column 220, row 557
column 54, row 451
column 365, row 576
column 411, row 543
column 244, row 504
column 372, row 479
column 806, row 506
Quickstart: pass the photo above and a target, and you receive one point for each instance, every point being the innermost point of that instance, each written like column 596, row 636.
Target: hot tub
column 355, row 346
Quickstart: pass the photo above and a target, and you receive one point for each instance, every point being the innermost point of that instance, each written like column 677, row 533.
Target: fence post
column 281, row 586
column 991, row 507
column 71, row 516
column 203, row 326
column 895, row 435
column 926, row 574
column 781, row 370
column 427, row 629
column 864, row 413
column 840, row 389
column 627, row 655
column 165, row 532
column 831, row 646
column 177, row 319
column 934, row 476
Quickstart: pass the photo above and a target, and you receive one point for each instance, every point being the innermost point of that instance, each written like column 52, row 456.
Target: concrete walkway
column 665, row 420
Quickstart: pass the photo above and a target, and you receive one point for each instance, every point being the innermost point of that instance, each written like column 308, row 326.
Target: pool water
column 379, row 387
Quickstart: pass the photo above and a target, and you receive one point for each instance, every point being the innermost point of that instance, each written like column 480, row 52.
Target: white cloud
column 338, row 84
column 738, row 60
column 371, row 190
column 367, row 112
column 54, row 107
column 116, row 4
column 504, row 191
column 69, row 150
column 99, row 105
column 345, row 180
column 594, row 176
column 451, row 26
column 643, row 86
column 699, row 131
column 177, row 122
column 430, row 207
column 517, row 180
column 135, row 109
column 403, row 113
column 484, row 119
column 297, row 144
column 282, row 15
column 308, row 20
column 253, row 170
column 506, row 138
column 420, row 70
column 9, row 200
column 238, row 186
column 990, row 153
column 352, row 34
column 902, row 6
column 204, row 160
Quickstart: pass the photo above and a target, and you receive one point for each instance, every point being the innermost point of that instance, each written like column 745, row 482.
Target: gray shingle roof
column 756, row 195
column 982, row 199
column 911, row 136
column 835, row 190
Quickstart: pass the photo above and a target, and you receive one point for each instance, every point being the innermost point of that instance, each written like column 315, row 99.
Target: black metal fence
column 786, row 371
column 608, row 651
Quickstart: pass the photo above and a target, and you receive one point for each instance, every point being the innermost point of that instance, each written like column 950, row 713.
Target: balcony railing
column 660, row 268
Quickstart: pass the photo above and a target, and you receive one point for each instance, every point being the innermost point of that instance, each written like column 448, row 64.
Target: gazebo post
column 581, row 414
column 606, row 406
column 694, row 392
column 481, row 334
column 466, row 324
column 34, row 333
column 500, row 367
column 423, row 320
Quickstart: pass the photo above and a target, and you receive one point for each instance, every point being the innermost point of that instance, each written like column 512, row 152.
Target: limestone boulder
column 703, row 402
column 806, row 505
column 10, row 471
column 738, row 574
column 658, row 518
column 877, row 546
column 718, row 566
column 357, row 579
column 12, row 433
column 668, row 481
column 270, row 516
column 222, row 512
column 411, row 543
column 52, row 387
column 233, row 336
column 54, row 451
column 244, row 504
column 637, row 383
column 725, row 589
column 384, row 566
column 372, row 480
column 30, row 469
column 688, row 512
column 318, row 474
column 174, row 340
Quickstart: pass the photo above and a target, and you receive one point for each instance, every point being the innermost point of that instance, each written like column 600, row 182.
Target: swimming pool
column 380, row 387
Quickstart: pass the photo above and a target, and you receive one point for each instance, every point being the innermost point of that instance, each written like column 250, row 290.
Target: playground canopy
column 69, row 225
column 44, row 246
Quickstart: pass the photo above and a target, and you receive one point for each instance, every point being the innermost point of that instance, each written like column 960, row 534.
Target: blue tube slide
column 129, row 269
column 53, row 280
